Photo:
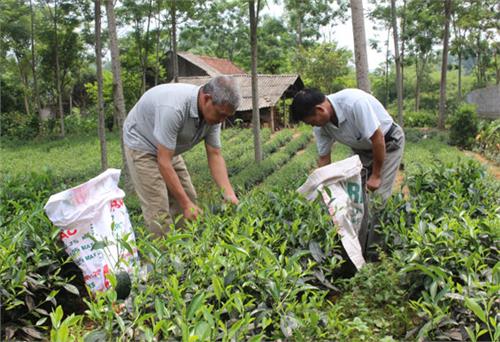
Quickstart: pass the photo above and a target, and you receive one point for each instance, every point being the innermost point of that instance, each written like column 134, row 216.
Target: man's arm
column 165, row 155
column 378, row 149
column 218, row 170
column 324, row 160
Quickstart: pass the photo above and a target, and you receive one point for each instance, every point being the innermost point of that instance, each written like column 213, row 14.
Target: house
column 487, row 101
column 195, row 65
column 273, row 89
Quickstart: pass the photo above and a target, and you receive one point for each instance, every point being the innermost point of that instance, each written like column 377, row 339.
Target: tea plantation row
column 268, row 269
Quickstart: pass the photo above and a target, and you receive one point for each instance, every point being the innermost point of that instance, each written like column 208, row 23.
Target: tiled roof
column 212, row 65
column 271, row 87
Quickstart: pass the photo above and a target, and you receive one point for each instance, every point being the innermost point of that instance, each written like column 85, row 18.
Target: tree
column 175, row 62
column 33, row 60
column 16, row 41
column 218, row 28
column 254, row 21
column 324, row 66
column 100, row 100
column 399, row 76
column 305, row 18
column 444, row 64
column 274, row 41
column 361, row 57
column 137, row 14
column 118, row 100
column 57, row 68
column 422, row 28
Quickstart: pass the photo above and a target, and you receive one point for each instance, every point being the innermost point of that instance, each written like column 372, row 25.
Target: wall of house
column 487, row 101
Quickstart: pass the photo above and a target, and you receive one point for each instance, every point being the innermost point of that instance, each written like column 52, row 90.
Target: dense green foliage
column 487, row 141
column 445, row 237
column 269, row 268
column 463, row 126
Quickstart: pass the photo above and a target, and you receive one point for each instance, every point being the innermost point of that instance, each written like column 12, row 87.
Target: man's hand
column 191, row 212
column 373, row 183
column 218, row 169
column 378, row 149
column 232, row 199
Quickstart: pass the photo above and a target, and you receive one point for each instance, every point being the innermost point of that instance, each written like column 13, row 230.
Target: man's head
column 312, row 107
column 219, row 99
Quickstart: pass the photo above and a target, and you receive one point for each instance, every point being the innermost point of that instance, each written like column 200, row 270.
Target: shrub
column 76, row 123
column 464, row 126
column 18, row 125
column 420, row 119
column 488, row 139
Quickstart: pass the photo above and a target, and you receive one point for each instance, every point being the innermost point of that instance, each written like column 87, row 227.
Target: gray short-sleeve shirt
column 359, row 115
column 168, row 115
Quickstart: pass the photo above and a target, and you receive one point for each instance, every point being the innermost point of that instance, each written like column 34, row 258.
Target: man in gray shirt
column 168, row 120
column 358, row 120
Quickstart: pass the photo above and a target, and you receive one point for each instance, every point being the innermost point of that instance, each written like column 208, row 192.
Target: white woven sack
column 95, row 209
column 339, row 184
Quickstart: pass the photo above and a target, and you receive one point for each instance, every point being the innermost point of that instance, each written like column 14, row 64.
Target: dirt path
column 493, row 169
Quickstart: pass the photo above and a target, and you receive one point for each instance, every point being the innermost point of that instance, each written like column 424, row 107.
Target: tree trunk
column 254, row 20
column 399, row 77
column 417, row 86
column 157, row 63
column 272, row 119
column 33, row 59
column 478, row 62
column 444, row 65
column 100, row 97
column 458, row 35
column 118, row 100
column 146, row 49
column 459, row 76
column 175, row 62
column 361, row 59
column 386, row 100
column 299, row 31
column 497, row 68
column 403, row 40
column 24, row 81
column 58, row 73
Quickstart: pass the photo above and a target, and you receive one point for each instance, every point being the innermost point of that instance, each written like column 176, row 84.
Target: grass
column 77, row 158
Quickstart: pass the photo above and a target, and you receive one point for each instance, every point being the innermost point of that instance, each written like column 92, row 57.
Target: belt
column 388, row 136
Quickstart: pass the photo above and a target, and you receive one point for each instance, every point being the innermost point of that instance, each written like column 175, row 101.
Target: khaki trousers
column 159, row 207
column 393, row 155
column 369, row 236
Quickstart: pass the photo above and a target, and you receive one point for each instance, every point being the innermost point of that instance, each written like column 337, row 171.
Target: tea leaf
column 476, row 308
column 72, row 289
column 194, row 305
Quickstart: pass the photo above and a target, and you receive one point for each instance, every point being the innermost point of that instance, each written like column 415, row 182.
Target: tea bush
column 445, row 237
column 35, row 272
column 268, row 269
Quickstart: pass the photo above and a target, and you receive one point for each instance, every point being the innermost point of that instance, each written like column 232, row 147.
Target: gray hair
column 224, row 90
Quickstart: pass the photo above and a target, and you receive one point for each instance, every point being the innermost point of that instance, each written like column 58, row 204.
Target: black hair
column 304, row 102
